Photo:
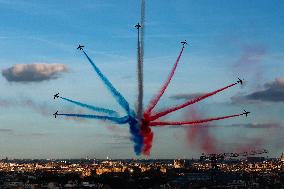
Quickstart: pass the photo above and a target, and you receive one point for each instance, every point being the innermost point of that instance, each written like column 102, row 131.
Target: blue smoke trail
column 137, row 138
column 118, row 120
column 119, row 98
column 133, row 123
column 134, row 129
column 94, row 108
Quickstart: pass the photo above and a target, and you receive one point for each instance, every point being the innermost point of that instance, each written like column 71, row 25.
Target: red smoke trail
column 208, row 145
column 148, row 136
column 250, row 145
column 192, row 133
column 156, row 99
column 200, row 136
column 167, row 111
column 146, row 131
column 194, row 122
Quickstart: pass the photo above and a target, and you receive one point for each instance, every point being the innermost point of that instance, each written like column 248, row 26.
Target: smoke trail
column 119, row 98
column 42, row 108
column 145, row 130
column 136, row 137
column 208, row 142
column 142, row 31
column 164, row 123
column 250, row 144
column 169, row 110
column 94, row 108
column 134, row 127
column 118, row 120
column 200, row 136
column 250, row 63
column 139, row 79
column 140, row 62
column 156, row 99
column 148, row 136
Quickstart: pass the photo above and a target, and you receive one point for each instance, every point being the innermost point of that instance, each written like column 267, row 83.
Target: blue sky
column 222, row 35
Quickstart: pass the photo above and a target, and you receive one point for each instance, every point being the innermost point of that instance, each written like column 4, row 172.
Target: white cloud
column 33, row 72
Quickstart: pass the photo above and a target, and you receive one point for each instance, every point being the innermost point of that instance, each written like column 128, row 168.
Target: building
column 282, row 157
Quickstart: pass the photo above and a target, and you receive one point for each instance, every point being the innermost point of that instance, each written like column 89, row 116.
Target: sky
column 227, row 39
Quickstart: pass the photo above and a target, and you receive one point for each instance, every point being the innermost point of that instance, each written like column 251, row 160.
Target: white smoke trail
column 140, row 57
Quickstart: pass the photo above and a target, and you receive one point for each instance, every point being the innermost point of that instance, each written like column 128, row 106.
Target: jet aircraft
column 56, row 96
column 55, row 114
column 138, row 26
column 245, row 113
column 184, row 42
column 80, row 47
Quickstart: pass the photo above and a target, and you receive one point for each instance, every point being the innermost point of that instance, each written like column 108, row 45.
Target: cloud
column 14, row 133
column 39, row 134
column 273, row 92
column 6, row 131
column 45, row 109
column 33, row 72
column 185, row 96
column 34, row 135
